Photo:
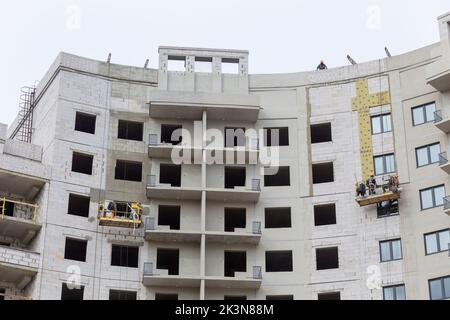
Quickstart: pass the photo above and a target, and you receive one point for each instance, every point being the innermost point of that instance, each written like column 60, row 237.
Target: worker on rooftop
column 322, row 66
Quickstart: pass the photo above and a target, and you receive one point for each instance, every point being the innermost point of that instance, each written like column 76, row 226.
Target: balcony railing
column 256, row 185
column 256, row 227
column 148, row 269
column 443, row 159
column 447, row 203
column 151, row 181
column 257, row 272
column 150, row 223
column 438, row 116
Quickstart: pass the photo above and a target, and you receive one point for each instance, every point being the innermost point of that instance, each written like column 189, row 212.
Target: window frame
column 438, row 242
column 395, row 291
column 385, row 172
column 126, row 163
column 127, row 265
column 391, row 250
column 442, row 281
column 380, row 119
column 428, row 147
column 423, row 107
column 433, row 196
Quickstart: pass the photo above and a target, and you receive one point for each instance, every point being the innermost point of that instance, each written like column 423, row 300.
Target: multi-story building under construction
column 94, row 204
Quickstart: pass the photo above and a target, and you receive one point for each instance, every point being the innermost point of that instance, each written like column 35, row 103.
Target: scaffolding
column 120, row 214
column 24, row 129
column 389, row 191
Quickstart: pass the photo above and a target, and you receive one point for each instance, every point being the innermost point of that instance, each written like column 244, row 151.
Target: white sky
column 281, row 35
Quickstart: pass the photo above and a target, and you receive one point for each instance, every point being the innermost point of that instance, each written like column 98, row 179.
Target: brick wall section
column 19, row 257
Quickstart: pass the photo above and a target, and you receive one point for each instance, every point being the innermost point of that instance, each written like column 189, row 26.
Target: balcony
column 188, row 105
column 164, row 234
column 19, row 220
column 447, row 205
column 160, row 278
column 441, row 122
column 239, row 236
column 247, row 154
column 438, row 74
column 165, row 150
column 17, row 266
column 167, row 192
column 444, row 163
column 238, row 194
column 241, row 280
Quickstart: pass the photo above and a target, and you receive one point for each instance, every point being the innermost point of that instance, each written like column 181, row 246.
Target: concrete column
column 189, row 74
column 162, row 73
column 203, row 211
column 217, row 74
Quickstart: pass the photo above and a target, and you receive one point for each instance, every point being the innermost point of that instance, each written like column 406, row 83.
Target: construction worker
column 112, row 209
column 322, row 66
column 371, row 184
column 361, row 190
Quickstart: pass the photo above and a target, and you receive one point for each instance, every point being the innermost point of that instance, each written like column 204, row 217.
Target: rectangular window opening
column 387, row 209
column 327, row 258
column 168, row 259
column 423, row 114
column 203, row 64
column 329, row 296
column 170, row 174
column 122, row 295
column 235, row 177
column 130, row 130
column 128, row 171
column 235, row 218
column 79, row 205
column 394, row 292
column 235, row 261
column 279, row 261
column 281, row 178
column 323, row 173
column 381, row 124
column 85, row 122
column 280, row 297
column 428, row 155
column 391, row 250
column 171, row 134
column 71, row 292
column 321, row 133
column 384, row 164
column 230, row 66
column 276, row 218
column 166, row 296
column 235, row 137
column 124, row 256
column 82, row 163
column 169, row 216
column 276, row 137
column 176, row 63
column 75, row 250
column 432, row 197
column 324, row 215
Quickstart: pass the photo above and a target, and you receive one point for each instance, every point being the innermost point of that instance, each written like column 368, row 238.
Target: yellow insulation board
column 362, row 104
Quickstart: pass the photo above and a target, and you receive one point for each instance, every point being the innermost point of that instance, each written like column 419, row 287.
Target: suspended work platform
column 378, row 198
column 120, row 214
column 372, row 193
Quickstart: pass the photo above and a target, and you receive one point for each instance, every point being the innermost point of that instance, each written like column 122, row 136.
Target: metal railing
column 438, row 116
column 256, row 227
column 153, row 139
column 148, row 269
column 150, row 224
column 443, row 159
column 257, row 272
column 256, row 185
column 151, row 181
column 447, row 203
column 21, row 210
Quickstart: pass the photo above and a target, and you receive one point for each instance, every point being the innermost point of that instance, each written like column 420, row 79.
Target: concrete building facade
column 101, row 133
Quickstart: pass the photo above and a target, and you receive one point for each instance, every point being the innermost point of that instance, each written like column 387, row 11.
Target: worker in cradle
column 361, row 190
column 322, row 66
column 371, row 184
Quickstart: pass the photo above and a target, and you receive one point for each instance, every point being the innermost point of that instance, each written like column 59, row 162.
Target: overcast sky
column 281, row 35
